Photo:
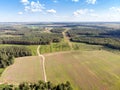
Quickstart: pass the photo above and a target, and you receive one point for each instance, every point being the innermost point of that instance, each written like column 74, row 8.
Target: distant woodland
column 97, row 36
column 29, row 36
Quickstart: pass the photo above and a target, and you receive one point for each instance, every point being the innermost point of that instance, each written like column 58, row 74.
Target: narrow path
column 43, row 64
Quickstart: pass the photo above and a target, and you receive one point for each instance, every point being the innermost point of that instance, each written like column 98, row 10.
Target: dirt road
column 43, row 64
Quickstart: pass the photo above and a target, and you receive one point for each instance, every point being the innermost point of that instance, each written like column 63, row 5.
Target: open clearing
column 25, row 69
column 86, row 70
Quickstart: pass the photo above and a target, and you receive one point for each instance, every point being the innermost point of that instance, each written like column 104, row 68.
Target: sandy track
column 43, row 64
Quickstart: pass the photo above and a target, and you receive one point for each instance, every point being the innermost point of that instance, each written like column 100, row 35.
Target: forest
column 28, row 36
column 108, row 37
column 42, row 39
column 8, row 53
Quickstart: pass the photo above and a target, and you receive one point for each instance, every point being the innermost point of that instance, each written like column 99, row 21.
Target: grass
column 25, row 69
column 1, row 70
column 88, row 47
column 85, row 47
column 33, row 48
column 86, row 70
column 54, row 47
column 2, row 86
column 9, row 36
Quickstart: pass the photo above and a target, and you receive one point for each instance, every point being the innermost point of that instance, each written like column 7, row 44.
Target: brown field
column 25, row 69
column 86, row 70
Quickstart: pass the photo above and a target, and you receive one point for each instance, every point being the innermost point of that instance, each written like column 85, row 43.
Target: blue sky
column 59, row 10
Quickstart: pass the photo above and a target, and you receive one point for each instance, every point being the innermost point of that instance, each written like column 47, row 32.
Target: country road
column 66, row 39
column 43, row 64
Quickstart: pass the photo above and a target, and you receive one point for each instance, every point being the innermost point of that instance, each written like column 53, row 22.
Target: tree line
column 40, row 85
column 57, row 30
column 8, row 53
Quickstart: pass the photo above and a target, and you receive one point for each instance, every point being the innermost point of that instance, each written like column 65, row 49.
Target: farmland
column 86, row 55
column 20, row 71
column 86, row 70
column 97, row 72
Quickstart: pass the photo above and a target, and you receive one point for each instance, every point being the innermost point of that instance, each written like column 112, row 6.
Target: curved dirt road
column 43, row 64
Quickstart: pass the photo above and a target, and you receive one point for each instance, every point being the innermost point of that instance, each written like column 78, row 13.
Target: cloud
column 20, row 13
column 25, row 2
column 75, row 0
column 83, row 12
column 34, row 7
column 91, row 1
column 51, row 11
column 55, row 1
column 94, row 15
column 115, row 9
column 114, row 13
column 27, row 8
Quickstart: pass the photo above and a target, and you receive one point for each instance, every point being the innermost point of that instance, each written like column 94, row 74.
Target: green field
column 1, row 70
column 25, row 69
column 64, row 46
column 86, row 70
column 54, row 47
column 33, row 48
column 86, row 47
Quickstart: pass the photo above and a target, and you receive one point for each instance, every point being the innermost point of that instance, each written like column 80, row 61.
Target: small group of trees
column 8, row 53
column 57, row 30
column 39, row 86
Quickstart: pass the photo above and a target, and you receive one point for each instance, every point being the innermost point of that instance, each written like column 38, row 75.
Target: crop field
column 25, row 69
column 89, row 68
column 86, row 70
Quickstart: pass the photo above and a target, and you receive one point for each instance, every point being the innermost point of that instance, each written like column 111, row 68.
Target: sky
column 59, row 10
